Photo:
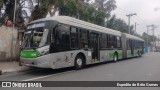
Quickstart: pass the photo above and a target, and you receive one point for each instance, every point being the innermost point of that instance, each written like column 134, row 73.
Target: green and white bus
column 62, row 41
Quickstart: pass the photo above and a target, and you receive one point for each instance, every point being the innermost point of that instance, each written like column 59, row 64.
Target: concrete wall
column 5, row 44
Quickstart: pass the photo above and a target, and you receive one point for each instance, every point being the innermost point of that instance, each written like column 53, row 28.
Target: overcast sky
column 148, row 12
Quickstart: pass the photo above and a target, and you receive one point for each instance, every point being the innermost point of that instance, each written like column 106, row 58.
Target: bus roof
column 79, row 23
column 133, row 37
column 86, row 25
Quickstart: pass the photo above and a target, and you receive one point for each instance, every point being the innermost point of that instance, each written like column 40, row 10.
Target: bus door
column 94, row 46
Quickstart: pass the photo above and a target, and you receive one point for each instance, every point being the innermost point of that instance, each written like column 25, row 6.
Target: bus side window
column 63, row 37
column 118, row 42
column 74, row 38
column 60, row 38
column 110, row 43
column 103, row 41
column 83, row 38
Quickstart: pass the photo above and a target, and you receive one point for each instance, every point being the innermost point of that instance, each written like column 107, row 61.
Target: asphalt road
column 146, row 68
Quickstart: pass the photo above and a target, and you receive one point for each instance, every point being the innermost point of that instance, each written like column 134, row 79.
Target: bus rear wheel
column 79, row 62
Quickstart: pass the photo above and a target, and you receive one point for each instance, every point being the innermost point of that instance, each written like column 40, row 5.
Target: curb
column 3, row 72
column 14, row 71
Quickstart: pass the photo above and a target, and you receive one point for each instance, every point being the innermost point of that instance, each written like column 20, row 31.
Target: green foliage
column 69, row 8
column 41, row 9
column 74, row 8
column 83, row 11
column 148, row 38
column 118, row 24
column 106, row 6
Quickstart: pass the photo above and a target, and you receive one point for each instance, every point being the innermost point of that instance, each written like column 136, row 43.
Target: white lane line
column 31, row 79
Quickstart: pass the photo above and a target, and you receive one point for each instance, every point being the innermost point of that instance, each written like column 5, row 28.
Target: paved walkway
column 13, row 66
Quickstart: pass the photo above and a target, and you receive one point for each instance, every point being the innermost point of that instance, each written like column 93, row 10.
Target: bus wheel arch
column 115, row 56
column 80, row 61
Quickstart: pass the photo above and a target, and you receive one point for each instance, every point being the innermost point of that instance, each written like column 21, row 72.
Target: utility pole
column 129, row 18
column 136, row 27
column 12, row 46
column 147, row 35
column 158, row 41
column 153, row 28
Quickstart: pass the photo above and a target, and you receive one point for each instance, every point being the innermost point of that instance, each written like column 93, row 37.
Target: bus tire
column 115, row 57
column 79, row 62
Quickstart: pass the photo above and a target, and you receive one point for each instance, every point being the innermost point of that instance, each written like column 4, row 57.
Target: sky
column 148, row 13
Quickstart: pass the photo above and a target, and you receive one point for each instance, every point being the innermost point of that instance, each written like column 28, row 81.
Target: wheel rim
column 79, row 62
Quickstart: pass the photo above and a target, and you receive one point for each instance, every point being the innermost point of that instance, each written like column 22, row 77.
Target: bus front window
column 35, row 38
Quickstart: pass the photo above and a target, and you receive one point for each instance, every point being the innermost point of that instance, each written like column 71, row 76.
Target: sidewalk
column 13, row 66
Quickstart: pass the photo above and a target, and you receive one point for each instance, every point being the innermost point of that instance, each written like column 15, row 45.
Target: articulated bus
column 62, row 41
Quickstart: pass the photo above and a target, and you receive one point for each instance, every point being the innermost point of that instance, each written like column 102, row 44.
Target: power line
column 129, row 18
column 137, row 18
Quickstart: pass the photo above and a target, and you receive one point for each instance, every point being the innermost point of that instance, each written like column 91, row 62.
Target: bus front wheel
column 79, row 62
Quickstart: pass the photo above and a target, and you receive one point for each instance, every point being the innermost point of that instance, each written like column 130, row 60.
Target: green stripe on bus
column 128, row 54
column 119, row 55
column 111, row 54
column 29, row 54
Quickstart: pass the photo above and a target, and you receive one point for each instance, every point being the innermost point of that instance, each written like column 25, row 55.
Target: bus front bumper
column 40, row 62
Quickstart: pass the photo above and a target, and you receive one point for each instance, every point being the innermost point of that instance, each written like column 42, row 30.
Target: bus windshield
column 35, row 38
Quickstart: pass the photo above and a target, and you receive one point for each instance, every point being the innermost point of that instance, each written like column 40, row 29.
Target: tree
column 82, row 10
column 119, row 24
column 9, row 11
column 148, row 38
column 41, row 9
column 69, row 8
column 106, row 6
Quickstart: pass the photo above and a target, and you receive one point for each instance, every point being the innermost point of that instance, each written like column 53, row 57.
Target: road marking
column 31, row 79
